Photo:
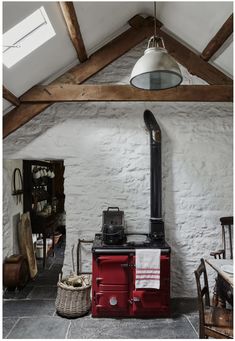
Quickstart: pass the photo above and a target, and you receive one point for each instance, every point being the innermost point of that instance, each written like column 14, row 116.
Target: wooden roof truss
column 69, row 86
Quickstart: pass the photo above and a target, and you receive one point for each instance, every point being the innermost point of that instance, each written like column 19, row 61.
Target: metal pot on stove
column 113, row 232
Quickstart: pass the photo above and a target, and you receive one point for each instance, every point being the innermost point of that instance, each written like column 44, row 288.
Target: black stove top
column 130, row 244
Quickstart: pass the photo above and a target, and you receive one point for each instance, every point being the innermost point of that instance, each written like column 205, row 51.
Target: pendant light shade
column 156, row 69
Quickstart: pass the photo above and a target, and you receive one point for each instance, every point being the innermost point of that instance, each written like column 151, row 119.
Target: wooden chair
column 214, row 322
column 220, row 291
column 227, row 227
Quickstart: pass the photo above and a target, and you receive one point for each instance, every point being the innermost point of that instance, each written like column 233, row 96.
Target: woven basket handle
column 73, row 259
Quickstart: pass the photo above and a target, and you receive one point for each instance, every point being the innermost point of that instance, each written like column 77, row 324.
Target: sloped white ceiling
column 194, row 23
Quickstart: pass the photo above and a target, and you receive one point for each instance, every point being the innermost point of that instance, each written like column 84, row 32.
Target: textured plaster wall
column 11, row 209
column 106, row 151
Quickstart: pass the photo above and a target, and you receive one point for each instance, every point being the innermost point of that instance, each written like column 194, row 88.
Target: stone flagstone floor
column 30, row 314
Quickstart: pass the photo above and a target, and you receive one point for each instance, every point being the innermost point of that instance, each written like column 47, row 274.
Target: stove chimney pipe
column 156, row 222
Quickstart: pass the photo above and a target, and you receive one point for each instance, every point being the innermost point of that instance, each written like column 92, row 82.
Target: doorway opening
column 42, row 204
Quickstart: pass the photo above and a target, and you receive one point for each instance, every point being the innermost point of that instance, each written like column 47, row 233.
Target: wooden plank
column 71, row 21
column 100, row 59
column 21, row 115
column 138, row 21
column 219, row 39
column 193, row 63
column 10, row 97
column 108, row 54
column 81, row 93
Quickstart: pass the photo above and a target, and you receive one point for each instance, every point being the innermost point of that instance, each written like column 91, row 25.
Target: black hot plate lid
column 130, row 244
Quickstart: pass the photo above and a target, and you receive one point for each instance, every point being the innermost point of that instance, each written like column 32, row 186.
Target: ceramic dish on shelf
column 227, row 268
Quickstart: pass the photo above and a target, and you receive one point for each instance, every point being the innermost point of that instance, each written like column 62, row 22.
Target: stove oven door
column 112, row 286
column 153, row 302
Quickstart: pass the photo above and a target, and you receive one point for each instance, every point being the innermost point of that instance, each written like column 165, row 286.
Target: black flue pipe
column 156, row 222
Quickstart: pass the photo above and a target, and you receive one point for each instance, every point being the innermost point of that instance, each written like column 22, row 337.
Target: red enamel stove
column 113, row 288
column 113, row 261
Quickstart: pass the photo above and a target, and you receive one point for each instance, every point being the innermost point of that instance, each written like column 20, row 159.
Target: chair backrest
column 202, row 293
column 227, row 236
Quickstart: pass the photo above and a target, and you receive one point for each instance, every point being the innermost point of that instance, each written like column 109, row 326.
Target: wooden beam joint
column 10, row 97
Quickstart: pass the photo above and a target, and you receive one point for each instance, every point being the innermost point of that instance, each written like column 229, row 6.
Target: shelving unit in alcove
column 39, row 198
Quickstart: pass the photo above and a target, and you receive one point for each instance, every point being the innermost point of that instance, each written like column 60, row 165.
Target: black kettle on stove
column 113, row 232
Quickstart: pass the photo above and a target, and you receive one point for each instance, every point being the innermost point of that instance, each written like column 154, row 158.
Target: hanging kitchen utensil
column 17, row 191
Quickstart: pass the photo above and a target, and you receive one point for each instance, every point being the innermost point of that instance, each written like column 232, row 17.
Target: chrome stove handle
column 127, row 265
column 136, row 299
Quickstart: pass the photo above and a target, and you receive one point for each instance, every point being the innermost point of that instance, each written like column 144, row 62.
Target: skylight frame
column 25, row 37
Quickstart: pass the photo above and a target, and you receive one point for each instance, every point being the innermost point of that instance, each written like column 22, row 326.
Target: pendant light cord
column 155, row 20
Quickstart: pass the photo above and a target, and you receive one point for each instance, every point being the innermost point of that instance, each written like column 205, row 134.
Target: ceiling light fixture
column 156, row 69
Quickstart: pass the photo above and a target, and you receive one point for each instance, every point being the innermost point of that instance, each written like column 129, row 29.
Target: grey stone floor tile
column 40, row 328
column 182, row 330
column 46, row 278
column 19, row 308
column 18, row 294
column 131, row 328
column 194, row 319
column 7, row 324
column 43, row 292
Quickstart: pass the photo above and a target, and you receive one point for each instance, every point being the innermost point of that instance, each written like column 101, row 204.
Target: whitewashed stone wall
column 11, row 209
column 106, row 151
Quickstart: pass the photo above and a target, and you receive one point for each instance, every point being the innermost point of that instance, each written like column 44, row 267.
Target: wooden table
column 225, row 279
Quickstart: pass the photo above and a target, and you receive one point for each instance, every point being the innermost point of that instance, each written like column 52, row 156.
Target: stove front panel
column 153, row 302
column 114, row 293
column 110, row 285
column 112, row 270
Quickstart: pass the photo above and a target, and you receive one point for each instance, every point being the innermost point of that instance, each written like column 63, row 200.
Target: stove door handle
column 136, row 299
column 98, row 306
column 98, row 279
column 127, row 265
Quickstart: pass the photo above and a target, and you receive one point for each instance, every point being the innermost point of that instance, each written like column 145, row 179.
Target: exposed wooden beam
column 194, row 64
column 113, row 50
column 108, row 53
column 21, row 115
column 107, row 93
column 218, row 40
column 79, row 74
column 138, row 21
column 70, row 18
column 10, row 97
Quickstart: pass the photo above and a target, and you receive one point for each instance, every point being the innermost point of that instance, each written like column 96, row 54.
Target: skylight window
column 26, row 37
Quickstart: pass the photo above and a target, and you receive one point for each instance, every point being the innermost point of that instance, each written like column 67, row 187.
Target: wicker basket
column 73, row 301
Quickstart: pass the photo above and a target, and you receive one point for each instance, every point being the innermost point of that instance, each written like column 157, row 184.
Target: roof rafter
column 111, row 92
column 141, row 30
column 10, row 97
column 218, row 40
column 79, row 74
column 75, row 35
column 193, row 63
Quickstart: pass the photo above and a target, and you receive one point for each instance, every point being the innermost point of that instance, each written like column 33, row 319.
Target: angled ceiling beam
column 193, row 63
column 75, row 35
column 109, row 53
column 21, row 115
column 110, row 92
column 10, row 97
column 218, row 40
column 79, row 74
